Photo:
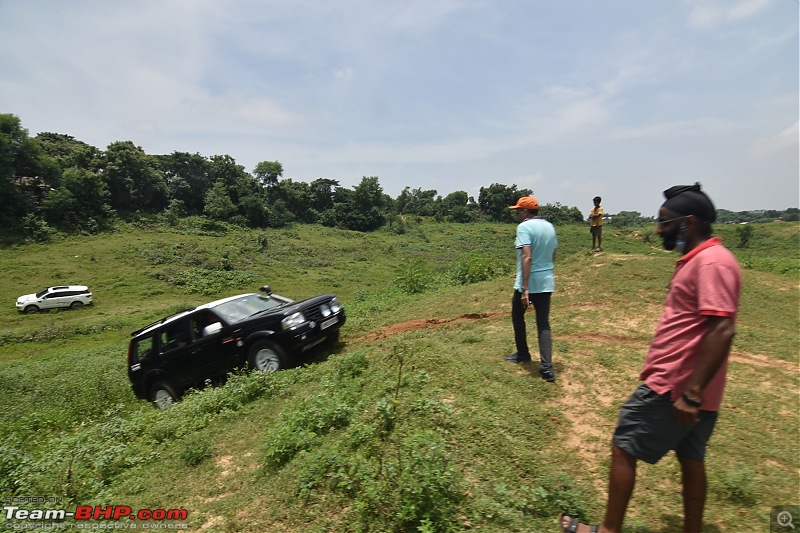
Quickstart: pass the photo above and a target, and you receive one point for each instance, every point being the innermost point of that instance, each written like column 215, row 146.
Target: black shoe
column 515, row 358
column 547, row 375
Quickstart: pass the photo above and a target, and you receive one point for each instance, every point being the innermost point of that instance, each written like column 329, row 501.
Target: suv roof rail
column 162, row 320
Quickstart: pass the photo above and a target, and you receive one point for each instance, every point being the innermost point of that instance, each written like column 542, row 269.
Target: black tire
column 333, row 338
column 76, row 305
column 162, row 395
column 31, row 309
column 266, row 356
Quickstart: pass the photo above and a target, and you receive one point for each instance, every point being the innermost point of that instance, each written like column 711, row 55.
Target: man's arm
column 714, row 349
column 527, row 258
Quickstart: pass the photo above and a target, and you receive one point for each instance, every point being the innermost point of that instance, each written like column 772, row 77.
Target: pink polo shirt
column 707, row 282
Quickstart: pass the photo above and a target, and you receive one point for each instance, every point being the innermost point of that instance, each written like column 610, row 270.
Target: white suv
column 71, row 296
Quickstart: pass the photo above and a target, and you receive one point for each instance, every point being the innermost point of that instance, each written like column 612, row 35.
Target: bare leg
column 694, row 494
column 622, row 478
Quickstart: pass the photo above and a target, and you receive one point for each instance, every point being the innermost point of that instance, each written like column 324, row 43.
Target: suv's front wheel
column 266, row 356
column 163, row 395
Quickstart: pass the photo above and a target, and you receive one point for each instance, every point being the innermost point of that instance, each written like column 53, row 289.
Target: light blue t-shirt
column 540, row 235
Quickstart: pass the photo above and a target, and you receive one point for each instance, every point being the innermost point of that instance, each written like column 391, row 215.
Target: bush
column 745, row 234
column 300, row 428
column 204, row 281
column 36, row 229
column 476, row 269
column 413, row 278
column 737, row 486
column 195, row 449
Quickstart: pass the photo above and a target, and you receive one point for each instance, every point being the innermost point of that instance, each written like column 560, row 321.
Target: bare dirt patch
column 763, row 361
column 414, row 325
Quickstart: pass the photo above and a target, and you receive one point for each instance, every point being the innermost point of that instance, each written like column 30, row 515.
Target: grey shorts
column 647, row 428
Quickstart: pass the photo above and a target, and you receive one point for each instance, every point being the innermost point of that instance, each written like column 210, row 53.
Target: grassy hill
column 413, row 422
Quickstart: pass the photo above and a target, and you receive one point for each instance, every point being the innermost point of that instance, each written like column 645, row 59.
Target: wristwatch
column 690, row 401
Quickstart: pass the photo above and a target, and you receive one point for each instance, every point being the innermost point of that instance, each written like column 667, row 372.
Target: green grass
column 413, row 422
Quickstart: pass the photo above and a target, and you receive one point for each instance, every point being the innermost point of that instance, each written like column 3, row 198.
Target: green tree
column 188, row 178
column 560, row 214
column 495, row 199
column 133, row 178
column 359, row 209
column 232, row 176
column 219, row 205
column 268, row 172
column 459, row 207
column 91, row 194
column 627, row 218
column 69, row 152
column 322, row 192
column 418, row 202
column 61, row 209
column 298, row 199
column 20, row 156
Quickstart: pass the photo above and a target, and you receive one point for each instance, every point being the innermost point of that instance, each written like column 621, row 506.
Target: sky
column 568, row 98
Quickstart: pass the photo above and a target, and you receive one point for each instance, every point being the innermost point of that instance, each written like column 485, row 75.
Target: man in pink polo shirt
column 684, row 372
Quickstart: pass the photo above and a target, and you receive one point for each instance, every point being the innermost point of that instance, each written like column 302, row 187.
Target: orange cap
column 526, row 202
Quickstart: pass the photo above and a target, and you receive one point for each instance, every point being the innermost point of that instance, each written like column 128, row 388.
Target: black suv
column 259, row 331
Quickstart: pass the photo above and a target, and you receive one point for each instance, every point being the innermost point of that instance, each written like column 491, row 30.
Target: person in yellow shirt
column 596, row 225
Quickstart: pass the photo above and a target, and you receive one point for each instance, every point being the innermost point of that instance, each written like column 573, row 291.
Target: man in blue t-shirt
column 536, row 252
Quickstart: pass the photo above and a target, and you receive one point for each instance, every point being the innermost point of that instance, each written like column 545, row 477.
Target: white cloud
column 453, row 93
column 344, row 73
column 711, row 13
column 786, row 140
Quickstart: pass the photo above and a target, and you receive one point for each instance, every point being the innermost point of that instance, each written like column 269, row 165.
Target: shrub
column 412, row 277
column 745, row 234
column 299, row 429
column 476, row 269
column 737, row 486
column 195, row 449
column 204, row 281
column 36, row 229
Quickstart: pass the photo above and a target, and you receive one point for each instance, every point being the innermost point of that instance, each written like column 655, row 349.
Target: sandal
column 573, row 525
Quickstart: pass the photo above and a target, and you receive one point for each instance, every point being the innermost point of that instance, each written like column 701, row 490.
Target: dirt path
column 424, row 323
column 589, row 433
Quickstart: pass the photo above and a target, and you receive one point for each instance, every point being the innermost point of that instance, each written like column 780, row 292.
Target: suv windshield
column 41, row 293
column 246, row 306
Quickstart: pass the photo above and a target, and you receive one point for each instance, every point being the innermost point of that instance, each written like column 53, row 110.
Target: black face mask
column 675, row 238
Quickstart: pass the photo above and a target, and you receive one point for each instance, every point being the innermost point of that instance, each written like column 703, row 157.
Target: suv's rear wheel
column 76, row 305
column 266, row 356
column 163, row 395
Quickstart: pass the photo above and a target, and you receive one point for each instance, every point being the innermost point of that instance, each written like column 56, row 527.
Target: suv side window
column 199, row 322
column 175, row 335
column 144, row 348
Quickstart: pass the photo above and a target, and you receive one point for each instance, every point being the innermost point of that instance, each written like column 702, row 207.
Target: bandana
column 690, row 200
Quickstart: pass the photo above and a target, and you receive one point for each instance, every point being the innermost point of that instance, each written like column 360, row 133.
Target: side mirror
column 212, row 329
column 265, row 289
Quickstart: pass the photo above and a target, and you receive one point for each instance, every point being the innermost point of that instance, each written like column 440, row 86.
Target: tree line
column 55, row 182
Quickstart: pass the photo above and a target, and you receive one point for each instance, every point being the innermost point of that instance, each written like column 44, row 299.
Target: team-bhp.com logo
column 86, row 513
